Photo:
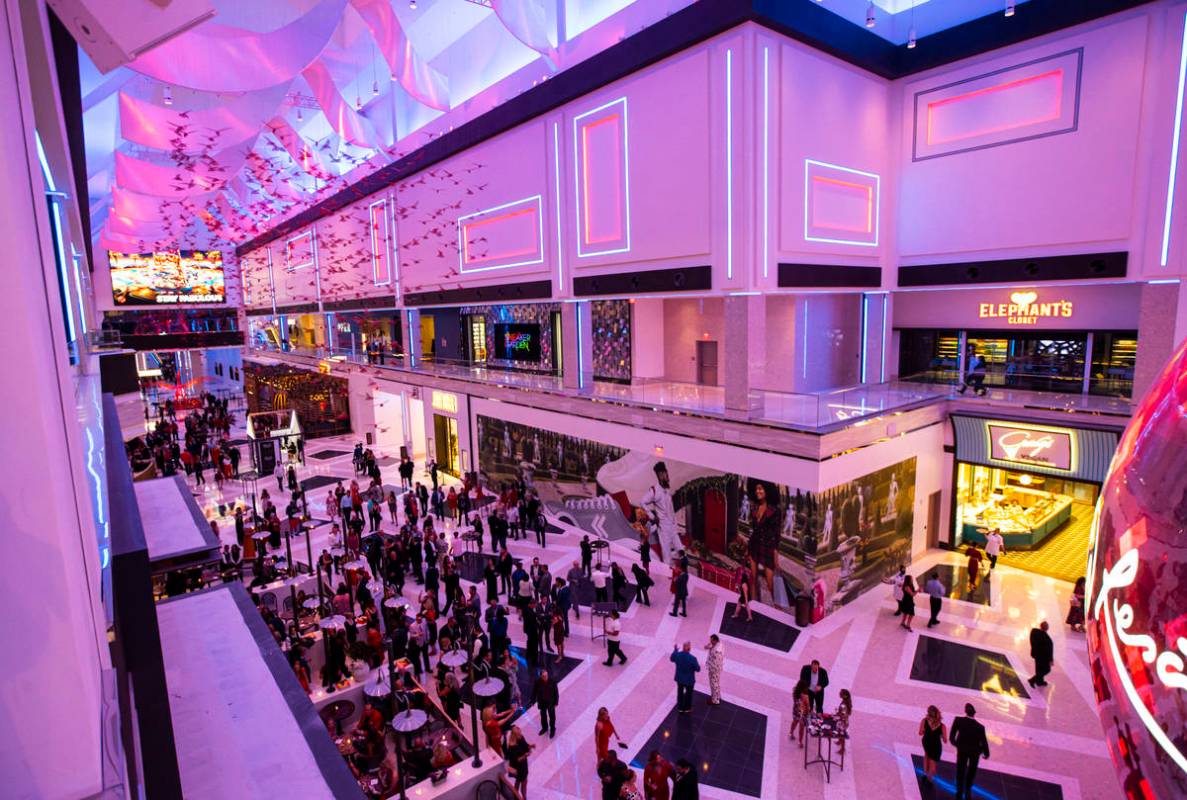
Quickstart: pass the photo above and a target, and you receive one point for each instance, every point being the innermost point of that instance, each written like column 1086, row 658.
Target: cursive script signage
column 1053, row 448
column 1025, row 308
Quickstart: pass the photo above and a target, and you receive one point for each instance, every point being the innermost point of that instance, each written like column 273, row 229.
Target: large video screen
column 517, row 342
column 167, row 276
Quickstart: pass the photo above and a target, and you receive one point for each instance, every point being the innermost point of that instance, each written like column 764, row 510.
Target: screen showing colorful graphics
column 167, row 276
column 1042, row 447
column 517, row 342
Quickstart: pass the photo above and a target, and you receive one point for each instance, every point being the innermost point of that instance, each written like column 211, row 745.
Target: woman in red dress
column 603, row 730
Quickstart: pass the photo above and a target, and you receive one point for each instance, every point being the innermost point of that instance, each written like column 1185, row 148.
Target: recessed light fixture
column 1009, row 8
column 300, row 116
column 375, row 88
column 412, row 4
column 871, row 20
column 167, row 96
column 911, row 38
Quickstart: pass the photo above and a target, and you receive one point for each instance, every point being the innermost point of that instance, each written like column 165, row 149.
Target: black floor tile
column 557, row 668
column 967, row 667
column 324, row 455
column 318, row 481
column 726, row 743
column 762, row 630
column 956, row 579
column 989, row 784
column 583, row 594
column 472, row 566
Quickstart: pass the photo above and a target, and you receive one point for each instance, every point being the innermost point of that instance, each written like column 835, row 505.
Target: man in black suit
column 968, row 736
column 685, row 785
column 1042, row 650
column 815, row 677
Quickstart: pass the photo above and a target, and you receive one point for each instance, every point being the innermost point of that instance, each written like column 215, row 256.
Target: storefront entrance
column 445, row 439
column 1035, row 484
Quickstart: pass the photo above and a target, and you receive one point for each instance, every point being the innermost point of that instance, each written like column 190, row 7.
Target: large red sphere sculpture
column 1137, row 594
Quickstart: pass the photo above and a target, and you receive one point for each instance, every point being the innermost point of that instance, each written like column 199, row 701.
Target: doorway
column 428, row 336
column 715, row 516
column 445, row 440
column 707, row 363
column 557, row 348
column 933, row 520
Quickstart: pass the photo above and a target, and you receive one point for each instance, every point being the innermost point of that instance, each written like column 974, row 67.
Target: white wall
column 647, row 337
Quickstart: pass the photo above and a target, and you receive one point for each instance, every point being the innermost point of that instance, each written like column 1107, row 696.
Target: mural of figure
column 828, row 526
column 507, row 443
column 560, row 454
column 536, row 447
column 744, row 509
column 764, row 539
column 658, row 503
column 892, row 497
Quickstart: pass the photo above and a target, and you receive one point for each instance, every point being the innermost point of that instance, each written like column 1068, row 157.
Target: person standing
column 896, row 584
column 935, row 592
column 684, row 781
column 974, row 375
column 642, row 584
column 518, row 750
column 687, row 668
column 974, row 565
column 934, row 734
column 679, row 592
column 1075, row 612
column 968, row 737
column 612, row 773
column 655, row 777
column 613, row 641
column 715, row 662
column 603, row 730
column 995, row 546
column 815, row 677
column 546, row 696
column 1042, row 650
column 586, row 556
column 908, row 604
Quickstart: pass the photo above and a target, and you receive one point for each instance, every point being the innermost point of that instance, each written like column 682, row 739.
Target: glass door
column 445, row 436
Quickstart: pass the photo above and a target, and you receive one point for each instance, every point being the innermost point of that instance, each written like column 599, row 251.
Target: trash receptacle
column 803, row 610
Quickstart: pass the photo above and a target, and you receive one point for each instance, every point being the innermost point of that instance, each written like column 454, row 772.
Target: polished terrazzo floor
column 1048, row 742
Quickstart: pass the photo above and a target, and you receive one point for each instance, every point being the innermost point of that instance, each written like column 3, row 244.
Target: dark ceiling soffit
column 803, row 20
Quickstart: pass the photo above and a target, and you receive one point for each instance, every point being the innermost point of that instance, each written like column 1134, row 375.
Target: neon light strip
column 877, row 194
column 288, row 252
column 82, row 309
column 1001, row 87
column 556, row 170
column 885, row 310
column 729, row 164
column 1170, row 181
column 463, row 236
column 470, row 226
column 766, row 159
column 864, row 188
column 316, row 267
column 394, row 238
column 580, row 365
column 865, row 319
column 586, row 237
column 805, row 338
column 271, row 280
column 375, row 254
column 577, row 177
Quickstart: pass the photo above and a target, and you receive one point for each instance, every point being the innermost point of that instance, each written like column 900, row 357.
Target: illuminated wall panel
column 1017, row 103
column 508, row 235
column 840, row 204
column 601, row 147
column 381, row 269
column 299, row 251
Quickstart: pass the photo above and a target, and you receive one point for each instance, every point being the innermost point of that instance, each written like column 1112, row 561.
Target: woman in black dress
column 517, row 759
column 764, row 538
column 907, row 604
column 934, row 733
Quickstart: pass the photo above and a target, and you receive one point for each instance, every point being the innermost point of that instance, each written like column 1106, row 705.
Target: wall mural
column 322, row 402
column 834, row 545
column 611, row 321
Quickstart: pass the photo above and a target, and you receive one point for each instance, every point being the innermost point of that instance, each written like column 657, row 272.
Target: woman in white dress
column 715, row 663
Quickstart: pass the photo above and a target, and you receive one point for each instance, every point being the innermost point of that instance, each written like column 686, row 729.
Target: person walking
column 1075, row 612
column 547, row 697
column 896, row 584
column 968, row 737
column 975, row 375
column 801, row 709
column 1042, row 650
column 715, row 662
column 642, row 584
column 974, row 565
column 613, row 641
column 908, row 604
column 995, row 546
column 743, row 580
column 603, row 730
column 815, row 677
column 935, row 592
column 679, row 592
column 687, row 668
column 934, row 734
column 518, row 750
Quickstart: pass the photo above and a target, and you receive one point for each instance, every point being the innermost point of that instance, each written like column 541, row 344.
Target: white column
column 410, row 322
column 744, row 352
column 577, row 345
column 53, row 646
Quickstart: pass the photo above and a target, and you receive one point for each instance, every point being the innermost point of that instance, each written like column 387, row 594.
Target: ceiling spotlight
column 911, row 38
column 1009, row 8
column 871, row 21
column 167, row 96
column 375, row 88
column 358, row 103
column 300, row 116
column 412, row 4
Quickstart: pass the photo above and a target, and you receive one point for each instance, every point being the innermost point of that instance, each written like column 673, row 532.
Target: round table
column 260, row 536
column 337, row 552
column 454, row 659
column 598, row 545
column 336, row 621
column 358, row 564
column 488, row 687
column 409, row 721
column 395, row 602
column 312, row 603
column 471, row 540
column 338, row 712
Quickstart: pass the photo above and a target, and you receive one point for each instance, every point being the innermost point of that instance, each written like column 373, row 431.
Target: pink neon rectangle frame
column 865, row 189
column 531, row 250
column 381, row 272
column 1055, row 112
column 288, row 252
column 616, row 170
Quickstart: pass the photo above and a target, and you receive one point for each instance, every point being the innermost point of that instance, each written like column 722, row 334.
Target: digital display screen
column 179, row 277
column 517, row 342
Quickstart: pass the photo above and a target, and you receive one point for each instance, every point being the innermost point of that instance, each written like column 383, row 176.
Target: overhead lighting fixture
column 300, row 116
column 375, row 88
column 871, row 20
column 1009, row 8
column 911, row 38
column 168, row 96
column 412, row 4
column 358, row 103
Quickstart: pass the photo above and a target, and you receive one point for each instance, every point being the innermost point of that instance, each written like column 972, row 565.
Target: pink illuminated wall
column 346, row 260
column 379, row 225
column 601, row 148
column 1036, row 146
column 504, row 236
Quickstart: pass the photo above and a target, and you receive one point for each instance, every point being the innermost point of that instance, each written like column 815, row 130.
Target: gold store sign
column 443, row 401
column 1025, row 308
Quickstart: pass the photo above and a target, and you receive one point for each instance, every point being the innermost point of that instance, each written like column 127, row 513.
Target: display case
column 990, row 498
